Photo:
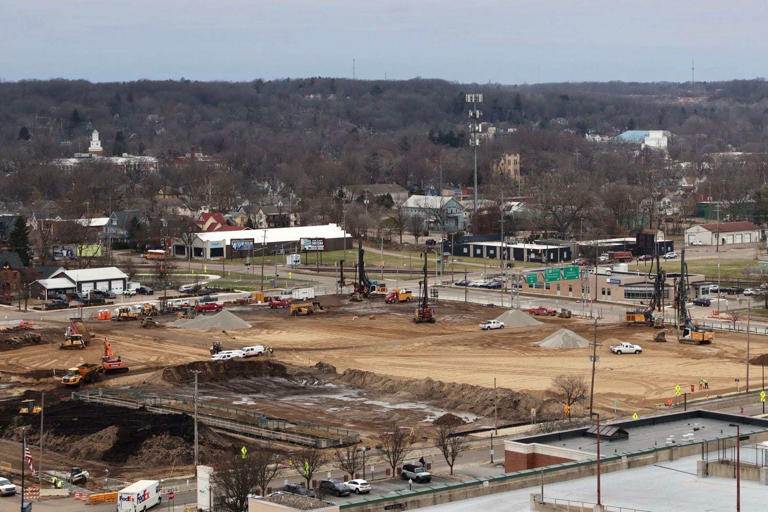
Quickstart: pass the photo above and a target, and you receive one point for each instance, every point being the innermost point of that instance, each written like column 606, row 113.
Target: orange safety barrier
column 76, row 495
column 105, row 497
column 83, row 496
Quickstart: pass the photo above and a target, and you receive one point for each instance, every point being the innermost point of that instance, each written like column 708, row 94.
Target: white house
column 431, row 208
column 82, row 280
column 725, row 233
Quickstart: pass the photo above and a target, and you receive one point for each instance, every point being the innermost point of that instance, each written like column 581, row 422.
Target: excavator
column 110, row 362
column 691, row 333
column 424, row 313
column 653, row 315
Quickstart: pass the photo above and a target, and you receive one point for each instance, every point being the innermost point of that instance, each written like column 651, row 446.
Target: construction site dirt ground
column 381, row 338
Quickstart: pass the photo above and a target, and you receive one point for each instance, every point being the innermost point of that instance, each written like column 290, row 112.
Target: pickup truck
column 208, row 306
column 491, row 324
column 279, row 304
column 626, row 348
column 543, row 311
column 416, row 473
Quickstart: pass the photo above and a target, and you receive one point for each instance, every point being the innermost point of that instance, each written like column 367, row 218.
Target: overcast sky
column 505, row 41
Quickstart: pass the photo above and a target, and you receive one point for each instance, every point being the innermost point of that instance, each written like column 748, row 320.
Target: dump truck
column 398, row 295
column 110, row 362
column 29, row 406
column 86, row 373
column 305, row 308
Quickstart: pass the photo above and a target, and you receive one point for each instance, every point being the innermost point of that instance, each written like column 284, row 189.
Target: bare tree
column 415, row 225
column 306, row 462
column 450, row 443
column 348, row 460
column 235, row 479
column 396, row 221
column 568, row 389
column 265, row 466
column 396, row 443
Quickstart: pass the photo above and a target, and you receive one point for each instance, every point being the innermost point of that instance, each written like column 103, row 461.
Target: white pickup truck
column 626, row 348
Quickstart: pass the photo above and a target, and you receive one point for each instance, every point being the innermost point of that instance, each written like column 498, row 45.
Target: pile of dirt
column 448, row 395
column 564, row 338
column 115, row 435
column 516, row 318
column 10, row 340
column 212, row 371
column 225, row 320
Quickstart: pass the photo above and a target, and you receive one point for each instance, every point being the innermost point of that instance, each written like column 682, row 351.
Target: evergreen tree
column 119, row 146
column 24, row 133
column 19, row 239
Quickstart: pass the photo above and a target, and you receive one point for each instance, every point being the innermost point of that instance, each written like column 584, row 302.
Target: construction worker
column 271, row 351
column 706, row 384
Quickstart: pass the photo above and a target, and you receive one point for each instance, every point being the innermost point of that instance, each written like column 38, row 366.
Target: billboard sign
column 551, row 274
column 242, row 244
column 313, row 244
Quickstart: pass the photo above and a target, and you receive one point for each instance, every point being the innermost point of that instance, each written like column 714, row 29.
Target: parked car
column 208, row 306
column 626, row 348
column 334, row 487
column 359, row 486
column 6, row 487
column 129, row 292
column 697, row 243
column 645, row 257
column 580, row 261
column 430, row 241
column 187, row 288
column 93, row 299
column 299, row 489
column 107, row 294
column 750, row 291
column 416, row 473
column 56, row 304
column 702, row 301
column 494, row 285
column 491, row 324
column 461, row 282
column 670, row 255
column 145, row 290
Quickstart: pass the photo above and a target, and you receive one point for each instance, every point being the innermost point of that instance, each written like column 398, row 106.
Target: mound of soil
column 516, row 318
column 564, row 338
column 115, row 435
column 449, row 395
column 212, row 371
column 18, row 339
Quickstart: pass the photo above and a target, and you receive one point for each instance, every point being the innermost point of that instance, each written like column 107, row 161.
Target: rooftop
column 730, row 227
column 275, row 235
column 92, row 274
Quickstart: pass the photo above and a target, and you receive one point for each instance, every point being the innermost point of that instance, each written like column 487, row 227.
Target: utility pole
column 594, row 361
column 42, row 414
column 263, row 250
column 495, row 409
column 474, row 135
column 197, row 459
column 749, row 315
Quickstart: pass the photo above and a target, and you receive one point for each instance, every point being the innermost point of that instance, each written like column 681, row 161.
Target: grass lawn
column 729, row 268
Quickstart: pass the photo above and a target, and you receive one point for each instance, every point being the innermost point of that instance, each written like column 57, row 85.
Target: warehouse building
column 247, row 242
column 65, row 281
column 724, row 233
column 481, row 247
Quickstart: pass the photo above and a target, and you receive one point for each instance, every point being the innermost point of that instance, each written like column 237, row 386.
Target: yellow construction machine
column 29, row 406
column 126, row 313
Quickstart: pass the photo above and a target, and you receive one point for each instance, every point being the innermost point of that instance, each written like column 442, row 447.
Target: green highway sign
column 551, row 274
column 570, row 273
column 531, row 278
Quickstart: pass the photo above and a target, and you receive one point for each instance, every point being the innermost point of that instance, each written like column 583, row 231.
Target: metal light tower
column 474, row 133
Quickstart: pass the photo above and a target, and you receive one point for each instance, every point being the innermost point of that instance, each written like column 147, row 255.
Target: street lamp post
column 738, row 465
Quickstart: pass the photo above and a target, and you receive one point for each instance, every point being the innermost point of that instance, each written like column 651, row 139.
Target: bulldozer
column 29, row 406
column 148, row 309
column 125, row 313
column 72, row 341
column 186, row 313
column 305, row 308
column 149, row 322
column 564, row 313
column 111, row 363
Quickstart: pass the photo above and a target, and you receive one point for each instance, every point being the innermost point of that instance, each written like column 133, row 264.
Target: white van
column 187, row 288
column 255, row 350
column 139, row 496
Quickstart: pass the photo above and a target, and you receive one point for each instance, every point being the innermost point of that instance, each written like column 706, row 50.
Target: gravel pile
column 563, row 338
column 222, row 320
column 517, row 318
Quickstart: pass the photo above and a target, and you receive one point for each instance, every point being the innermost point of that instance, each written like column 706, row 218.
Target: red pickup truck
column 208, row 306
column 543, row 311
column 279, row 304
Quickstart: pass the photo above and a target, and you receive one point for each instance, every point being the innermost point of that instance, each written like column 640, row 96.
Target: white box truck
column 139, row 496
column 303, row 293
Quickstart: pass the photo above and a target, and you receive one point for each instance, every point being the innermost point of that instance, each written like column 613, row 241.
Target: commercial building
column 724, row 233
column 247, row 242
column 508, row 166
column 652, row 139
column 82, row 281
column 542, row 253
